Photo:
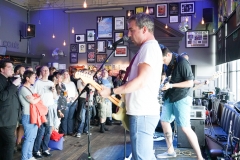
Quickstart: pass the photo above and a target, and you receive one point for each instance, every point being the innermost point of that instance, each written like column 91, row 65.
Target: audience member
column 9, row 109
column 26, row 98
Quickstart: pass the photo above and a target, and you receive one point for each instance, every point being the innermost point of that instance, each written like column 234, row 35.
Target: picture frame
column 105, row 27
column 117, row 36
column 189, row 19
column 109, row 44
column 73, row 47
column 119, row 23
column 91, row 57
column 79, row 38
column 197, row 39
column 101, row 46
column 73, row 57
column 91, row 46
column 139, row 9
column 90, row 35
column 173, row 8
column 121, row 51
column 129, row 13
column 162, row 10
column 187, row 7
column 173, row 19
column 82, row 48
column 100, row 58
column 150, row 9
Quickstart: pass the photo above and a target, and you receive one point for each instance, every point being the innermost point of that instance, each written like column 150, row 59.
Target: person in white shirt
column 142, row 87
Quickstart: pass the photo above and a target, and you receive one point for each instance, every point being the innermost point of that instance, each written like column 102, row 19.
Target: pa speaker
column 29, row 30
column 208, row 15
column 197, row 126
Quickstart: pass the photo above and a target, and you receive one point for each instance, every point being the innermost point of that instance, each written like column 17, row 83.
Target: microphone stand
column 85, row 89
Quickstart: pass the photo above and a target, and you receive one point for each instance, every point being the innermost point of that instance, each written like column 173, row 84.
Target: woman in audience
column 67, row 122
column 26, row 98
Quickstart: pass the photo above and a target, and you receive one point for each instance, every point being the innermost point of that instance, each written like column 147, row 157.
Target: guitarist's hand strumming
column 105, row 92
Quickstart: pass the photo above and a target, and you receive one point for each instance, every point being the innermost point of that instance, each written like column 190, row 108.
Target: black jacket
column 9, row 102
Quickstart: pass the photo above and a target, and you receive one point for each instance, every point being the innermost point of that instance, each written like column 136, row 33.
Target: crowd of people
column 33, row 104
column 56, row 95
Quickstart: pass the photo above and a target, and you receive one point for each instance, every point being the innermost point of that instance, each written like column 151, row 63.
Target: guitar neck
column 111, row 98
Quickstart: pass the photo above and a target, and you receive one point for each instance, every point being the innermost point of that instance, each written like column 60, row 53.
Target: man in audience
column 46, row 89
column 19, row 70
column 9, row 108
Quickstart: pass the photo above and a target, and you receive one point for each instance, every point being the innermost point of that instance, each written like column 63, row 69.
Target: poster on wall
column 197, row 39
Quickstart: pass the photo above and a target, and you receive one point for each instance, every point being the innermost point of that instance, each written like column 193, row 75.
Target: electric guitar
column 87, row 77
column 214, row 76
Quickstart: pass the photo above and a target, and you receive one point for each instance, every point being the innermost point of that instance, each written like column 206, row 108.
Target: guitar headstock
column 86, row 76
column 217, row 74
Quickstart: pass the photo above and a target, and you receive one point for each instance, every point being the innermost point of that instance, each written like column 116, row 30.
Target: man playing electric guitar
column 141, row 90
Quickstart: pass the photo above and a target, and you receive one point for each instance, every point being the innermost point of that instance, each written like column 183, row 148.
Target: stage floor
column 107, row 146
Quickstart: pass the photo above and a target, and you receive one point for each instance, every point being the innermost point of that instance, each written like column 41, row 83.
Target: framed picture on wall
column 188, row 19
column 79, row 38
column 197, row 39
column 150, row 10
column 82, row 48
column 105, row 27
column 187, row 8
column 161, row 10
column 91, row 46
column 117, row 36
column 73, row 57
column 90, row 34
column 173, row 8
column 109, row 44
column 100, row 58
column 121, row 51
column 173, row 19
column 119, row 23
column 129, row 13
column 90, row 57
column 73, row 47
column 101, row 46
column 139, row 9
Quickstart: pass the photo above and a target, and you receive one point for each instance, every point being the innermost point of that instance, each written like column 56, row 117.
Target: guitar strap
column 129, row 68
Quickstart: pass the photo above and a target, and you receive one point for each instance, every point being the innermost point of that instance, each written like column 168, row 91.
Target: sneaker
column 32, row 158
column 167, row 155
column 86, row 132
column 37, row 155
column 46, row 153
column 78, row 135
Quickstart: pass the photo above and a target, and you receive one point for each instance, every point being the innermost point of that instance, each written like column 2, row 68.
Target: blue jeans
column 83, row 125
column 43, row 138
column 180, row 111
column 142, row 129
column 67, row 122
column 30, row 133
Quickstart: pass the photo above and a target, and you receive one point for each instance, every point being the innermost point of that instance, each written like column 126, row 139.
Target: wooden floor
column 107, row 146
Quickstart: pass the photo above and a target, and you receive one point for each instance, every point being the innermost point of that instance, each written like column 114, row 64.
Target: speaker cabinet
column 198, row 126
column 208, row 15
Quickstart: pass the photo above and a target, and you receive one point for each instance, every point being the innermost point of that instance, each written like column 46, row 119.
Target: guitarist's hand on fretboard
column 166, row 86
column 105, row 92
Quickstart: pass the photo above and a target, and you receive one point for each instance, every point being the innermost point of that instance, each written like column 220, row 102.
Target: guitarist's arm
column 197, row 82
column 184, row 84
column 143, row 72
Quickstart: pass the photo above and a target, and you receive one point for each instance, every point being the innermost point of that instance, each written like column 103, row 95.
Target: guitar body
column 121, row 114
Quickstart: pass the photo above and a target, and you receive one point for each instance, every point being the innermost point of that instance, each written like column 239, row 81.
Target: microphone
column 123, row 39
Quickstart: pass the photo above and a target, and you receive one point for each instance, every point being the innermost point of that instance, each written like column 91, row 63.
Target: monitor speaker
column 208, row 15
column 197, row 126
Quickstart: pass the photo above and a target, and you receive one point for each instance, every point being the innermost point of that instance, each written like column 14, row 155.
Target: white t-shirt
column 43, row 89
column 144, row 101
column 71, row 89
column 81, row 86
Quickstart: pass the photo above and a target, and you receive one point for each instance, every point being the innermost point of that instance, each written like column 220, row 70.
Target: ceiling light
column 85, row 4
column 202, row 21
column 73, row 30
column 166, row 26
column 93, row 10
column 147, row 10
column 53, row 36
column 64, row 43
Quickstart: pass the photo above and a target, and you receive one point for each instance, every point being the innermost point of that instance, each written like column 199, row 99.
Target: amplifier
column 198, row 112
column 197, row 126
